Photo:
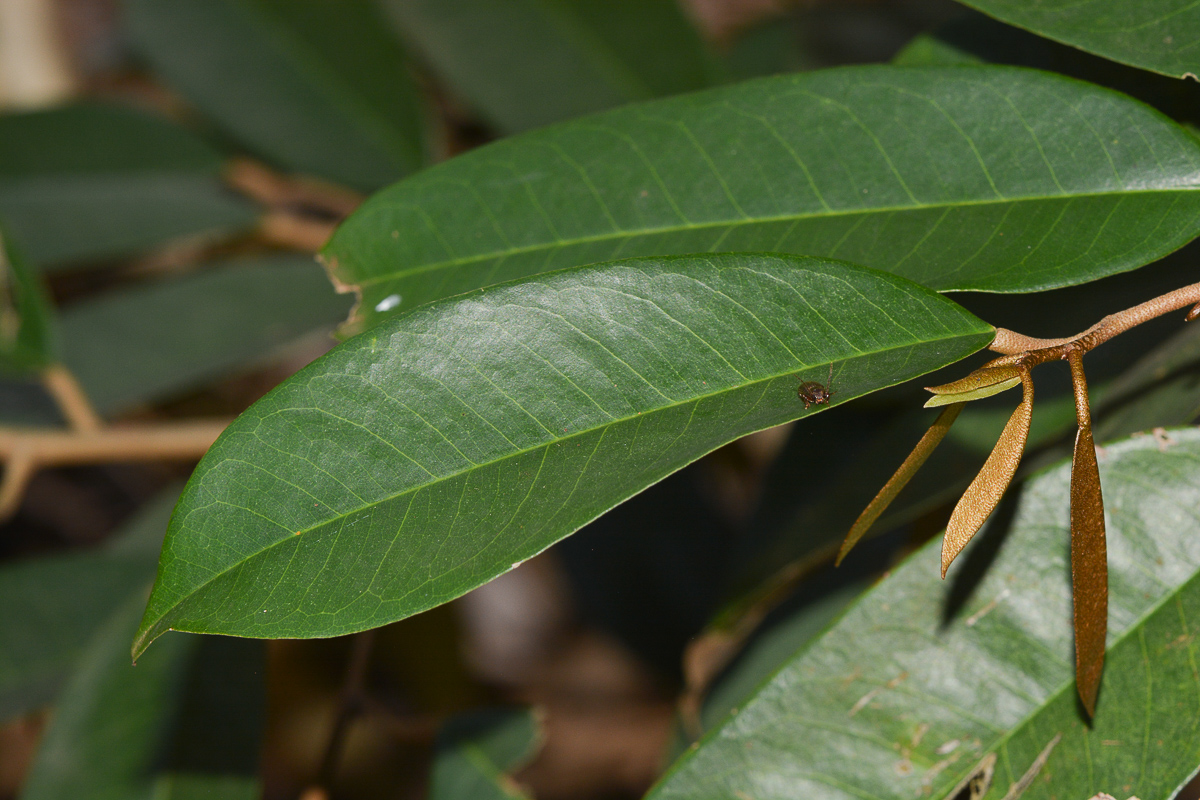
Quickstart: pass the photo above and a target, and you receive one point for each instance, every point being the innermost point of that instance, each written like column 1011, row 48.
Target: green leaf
column 928, row 50
column 317, row 86
column 94, row 181
column 28, row 334
column 153, row 341
column 183, row 723
column 477, row 751
column 921, row 678
column 424, row 458
column 1158, row 35
column 54, row 604
column 989, row 178
column 526, row 63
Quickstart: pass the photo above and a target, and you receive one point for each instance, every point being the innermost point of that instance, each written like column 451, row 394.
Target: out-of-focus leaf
column 94, row 181
column 525, row 63
column 28, row 338
column 422, row 459
column 476, row 754
column 928, row 50
column 989, row 178
column 983, row 663
column 146, row 343
column 1158, row 35
column 54, row 604
column 183, row 723
column 317, row 86
column 24, row 401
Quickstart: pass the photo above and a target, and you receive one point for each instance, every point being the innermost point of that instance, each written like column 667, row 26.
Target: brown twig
column 71, row 399
column 350, row 704
column 278, row 191
column 295, row 231
column 25, row 451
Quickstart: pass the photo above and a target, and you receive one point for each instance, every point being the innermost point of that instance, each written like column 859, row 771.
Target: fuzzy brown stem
column 72, row 401
column 134, row 443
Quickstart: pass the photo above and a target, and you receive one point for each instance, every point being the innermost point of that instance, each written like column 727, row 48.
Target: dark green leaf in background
column 525, row 63
column 988, row 178
column 147, row 343
column 28, row 332
column 92, row 181
column 183, row 723
column 54, row 604
column 1158, row 35
column 921, row 678
column 420, row 460
column 476, row 754
column 315, row 86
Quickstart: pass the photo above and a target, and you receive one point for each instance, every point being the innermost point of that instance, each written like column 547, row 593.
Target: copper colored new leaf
column 981, row 497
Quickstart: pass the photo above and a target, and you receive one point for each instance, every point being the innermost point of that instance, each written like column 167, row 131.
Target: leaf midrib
column 734, row 223
column 523, row 451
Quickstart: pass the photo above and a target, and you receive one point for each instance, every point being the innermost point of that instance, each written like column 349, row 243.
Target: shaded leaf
column 1162, row 35
column 422, row 459
column 477, row 752
column 92, row 181
column 28, row 337
column 983, row 663
column 526, row 63
column 985, row 178
column 54, row 604
column 316, row 86
column 182, row 723
column 146, row 343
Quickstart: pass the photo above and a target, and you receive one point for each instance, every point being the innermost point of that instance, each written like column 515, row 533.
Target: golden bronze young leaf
column 981, row 497
column 1089, row 555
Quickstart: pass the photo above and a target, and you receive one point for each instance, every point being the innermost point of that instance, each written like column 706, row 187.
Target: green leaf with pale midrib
column 986, row 663
column 1158, row 35
column 495, row 423
column 989, row 178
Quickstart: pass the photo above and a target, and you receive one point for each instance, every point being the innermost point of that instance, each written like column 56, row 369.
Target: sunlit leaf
column 990, row 178
column 424, row 458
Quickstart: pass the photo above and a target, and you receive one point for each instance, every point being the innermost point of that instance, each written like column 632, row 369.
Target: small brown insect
column 814, row 393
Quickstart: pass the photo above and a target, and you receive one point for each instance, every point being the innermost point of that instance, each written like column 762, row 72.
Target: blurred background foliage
column 167, row 170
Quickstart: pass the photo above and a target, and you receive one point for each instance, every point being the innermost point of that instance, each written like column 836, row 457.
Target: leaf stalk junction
column 1089, row 561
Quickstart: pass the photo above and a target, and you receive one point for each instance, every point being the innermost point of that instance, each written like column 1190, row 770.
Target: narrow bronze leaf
column 1089, row 556
column 981, row 497
column 981, row 383
column 929, row 442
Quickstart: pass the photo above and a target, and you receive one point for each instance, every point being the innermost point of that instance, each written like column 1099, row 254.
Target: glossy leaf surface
column 94, row 181
column 315, row 86
column 28, row 332
column 149, row 342
column 990, row 178
column 476, row 754
column 1158, row 35
column 183, row 723
column 55, row 604
column 420, row 460
column 526, row 63
column 984, row 662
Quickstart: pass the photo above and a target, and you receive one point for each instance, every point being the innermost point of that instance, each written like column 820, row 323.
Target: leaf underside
column 988, row 178
column 423, row 458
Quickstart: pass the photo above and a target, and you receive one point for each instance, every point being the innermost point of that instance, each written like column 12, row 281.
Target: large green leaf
column 53, row 604
column 421, row 459
column 476, row 754
column 28, row 329
column 94, row 181
column 317, row 86
column 920, row 679
column 1159, row 35
column 524, row 63
column 990, row 178
column 183, row 723
column 147, row 343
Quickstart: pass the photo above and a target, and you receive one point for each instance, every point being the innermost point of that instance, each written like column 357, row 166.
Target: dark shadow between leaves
column 974, row 563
